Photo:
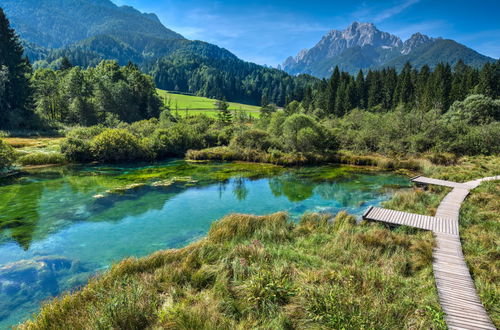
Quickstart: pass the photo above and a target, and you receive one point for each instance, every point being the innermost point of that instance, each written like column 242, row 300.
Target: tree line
column 383, row 90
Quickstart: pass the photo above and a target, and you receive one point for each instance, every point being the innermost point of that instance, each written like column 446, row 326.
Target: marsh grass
column 265, row 272
column 42, row 158
column 231, row 153
column 480, row 232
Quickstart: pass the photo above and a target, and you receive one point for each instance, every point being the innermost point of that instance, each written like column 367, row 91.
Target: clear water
column 59, row 226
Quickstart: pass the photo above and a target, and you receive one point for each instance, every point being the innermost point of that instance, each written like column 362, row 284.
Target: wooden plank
column 457, row 294
column 425, row 180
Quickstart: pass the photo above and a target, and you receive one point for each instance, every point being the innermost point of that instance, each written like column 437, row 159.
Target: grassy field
column 194, row 105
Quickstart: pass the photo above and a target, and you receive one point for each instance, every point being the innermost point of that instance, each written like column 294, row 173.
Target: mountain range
column 363, row 46
column 88, row 31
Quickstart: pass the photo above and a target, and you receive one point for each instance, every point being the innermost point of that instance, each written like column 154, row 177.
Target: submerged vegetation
column 265, row 272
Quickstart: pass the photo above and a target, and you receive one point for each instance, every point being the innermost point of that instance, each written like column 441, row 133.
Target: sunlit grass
column 265, row 272
column 190, row 104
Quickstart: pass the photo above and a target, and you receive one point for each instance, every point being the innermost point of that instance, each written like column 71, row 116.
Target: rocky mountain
column 363, row 46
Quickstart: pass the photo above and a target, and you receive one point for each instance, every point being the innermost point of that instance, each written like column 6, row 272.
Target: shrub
column 75, row 149
column 476, row 110
column 310, row 136
column 483, row 140
column 252, row 139
column 7, row 155
column 116, row 145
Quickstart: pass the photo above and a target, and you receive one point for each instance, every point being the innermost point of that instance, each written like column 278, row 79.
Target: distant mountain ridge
column 363, row 46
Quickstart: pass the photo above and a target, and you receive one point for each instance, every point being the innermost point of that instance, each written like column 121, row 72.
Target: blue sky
column 266, row 32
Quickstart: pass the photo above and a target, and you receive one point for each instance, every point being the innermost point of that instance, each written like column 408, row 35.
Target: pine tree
column 15, row 83
column 405, row 86
column 487, row 80
column 441, row 86
column 333, row 86
column 360, row 90
column 224, row 114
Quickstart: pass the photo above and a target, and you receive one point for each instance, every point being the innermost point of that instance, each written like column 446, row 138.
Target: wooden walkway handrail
column 457, row 294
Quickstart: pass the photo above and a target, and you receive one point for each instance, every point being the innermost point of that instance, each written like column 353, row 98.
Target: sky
column 267, row 32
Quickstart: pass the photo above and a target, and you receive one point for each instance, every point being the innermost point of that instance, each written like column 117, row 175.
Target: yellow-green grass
column 265, row 272
column 37, row 150
column 199, row 104
column 34, row 143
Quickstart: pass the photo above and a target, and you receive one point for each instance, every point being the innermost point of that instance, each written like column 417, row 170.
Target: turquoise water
column 58, row 226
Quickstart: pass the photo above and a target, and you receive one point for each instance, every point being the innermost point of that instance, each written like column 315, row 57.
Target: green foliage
column 143, row 140
column 385, row 89
column 107, row 93
column 252, row 139
column 116, row 145
column 7, row 155
column 412, row 133
column 15, row 90
column 475, row 110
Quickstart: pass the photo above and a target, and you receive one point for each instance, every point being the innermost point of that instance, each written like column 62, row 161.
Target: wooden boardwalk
column 435, row 224
column 456, row 290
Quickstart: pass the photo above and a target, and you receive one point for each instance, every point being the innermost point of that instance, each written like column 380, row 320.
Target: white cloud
column 388, row 13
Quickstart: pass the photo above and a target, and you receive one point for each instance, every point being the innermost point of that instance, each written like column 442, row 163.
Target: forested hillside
column 55, row 23
column 105, row 31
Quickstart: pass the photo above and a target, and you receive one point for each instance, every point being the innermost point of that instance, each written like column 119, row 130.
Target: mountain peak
column 361, row 45
column 416, row 40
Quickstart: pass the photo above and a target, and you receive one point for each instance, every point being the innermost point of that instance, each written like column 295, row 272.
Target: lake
column 59, row 226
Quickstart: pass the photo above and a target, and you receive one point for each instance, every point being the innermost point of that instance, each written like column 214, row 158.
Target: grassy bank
column 422, row 163
column 480, row 232
column 265, row 272
column 37, row 150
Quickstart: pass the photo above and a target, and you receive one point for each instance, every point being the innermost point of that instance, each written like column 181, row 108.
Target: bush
column 252, row 139
column 303, row 127
column 478, row 140
column 75, row 149
column 7, row 155
column 116, row 145
column 475, row 110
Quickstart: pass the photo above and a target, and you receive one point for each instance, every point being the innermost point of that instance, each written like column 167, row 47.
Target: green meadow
column 195, row 105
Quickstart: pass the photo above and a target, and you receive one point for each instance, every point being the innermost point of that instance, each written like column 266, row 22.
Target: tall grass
column 480, row 232
column 265, row 272
column 42, row 158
